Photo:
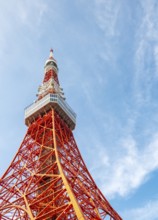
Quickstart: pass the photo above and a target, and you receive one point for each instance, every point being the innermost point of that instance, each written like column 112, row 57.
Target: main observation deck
column 45, row 104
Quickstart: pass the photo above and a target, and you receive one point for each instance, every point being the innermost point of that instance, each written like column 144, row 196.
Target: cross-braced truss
column 48, row 179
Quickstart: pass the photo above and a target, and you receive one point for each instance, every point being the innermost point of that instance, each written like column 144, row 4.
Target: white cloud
column 31, row 13
column 127, row 170
column 132, row 167
column 106, row 15
column 149, row 211
column 156, row 58
column 21, row 14
column 146, row 55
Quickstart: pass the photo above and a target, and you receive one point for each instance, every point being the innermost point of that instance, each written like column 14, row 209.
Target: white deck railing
column 46, row 103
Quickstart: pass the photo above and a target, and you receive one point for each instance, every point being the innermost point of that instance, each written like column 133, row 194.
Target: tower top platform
column 44, row 105
column 50, row 96
column 51, row 59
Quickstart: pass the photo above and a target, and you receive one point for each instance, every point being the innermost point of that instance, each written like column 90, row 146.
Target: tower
column 48, row 179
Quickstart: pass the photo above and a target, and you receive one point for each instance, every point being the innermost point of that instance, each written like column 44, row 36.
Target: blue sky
column 107, row 53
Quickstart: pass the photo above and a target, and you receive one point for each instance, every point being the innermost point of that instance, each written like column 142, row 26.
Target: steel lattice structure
column 48, row 178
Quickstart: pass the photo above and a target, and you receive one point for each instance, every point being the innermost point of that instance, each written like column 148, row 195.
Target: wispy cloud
column 146, row 55
column 149, row 211
column 31, row 14
column 107, row 14
column 119, row 169
column 128, row 169
column 25, row 14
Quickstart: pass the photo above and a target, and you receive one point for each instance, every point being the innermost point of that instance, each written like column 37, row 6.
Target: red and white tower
column 48, row 178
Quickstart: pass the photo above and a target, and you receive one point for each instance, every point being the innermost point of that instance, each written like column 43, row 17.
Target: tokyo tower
column 48, row 179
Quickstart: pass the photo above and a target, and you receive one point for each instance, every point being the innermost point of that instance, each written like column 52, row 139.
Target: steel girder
column 48, row 178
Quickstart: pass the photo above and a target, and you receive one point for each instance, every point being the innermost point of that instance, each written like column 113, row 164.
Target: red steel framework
column 48, row 179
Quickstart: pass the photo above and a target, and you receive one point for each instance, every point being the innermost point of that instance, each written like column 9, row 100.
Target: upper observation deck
column 42, row 106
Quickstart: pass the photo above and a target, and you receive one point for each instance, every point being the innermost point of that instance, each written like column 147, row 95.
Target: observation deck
column 40, row 107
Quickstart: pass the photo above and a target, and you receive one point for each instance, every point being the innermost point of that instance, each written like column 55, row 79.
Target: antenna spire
column 51, row 53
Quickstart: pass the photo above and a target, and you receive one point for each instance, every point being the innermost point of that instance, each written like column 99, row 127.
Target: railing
column 63, row 104
column 46, row 103
column 36, row 105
